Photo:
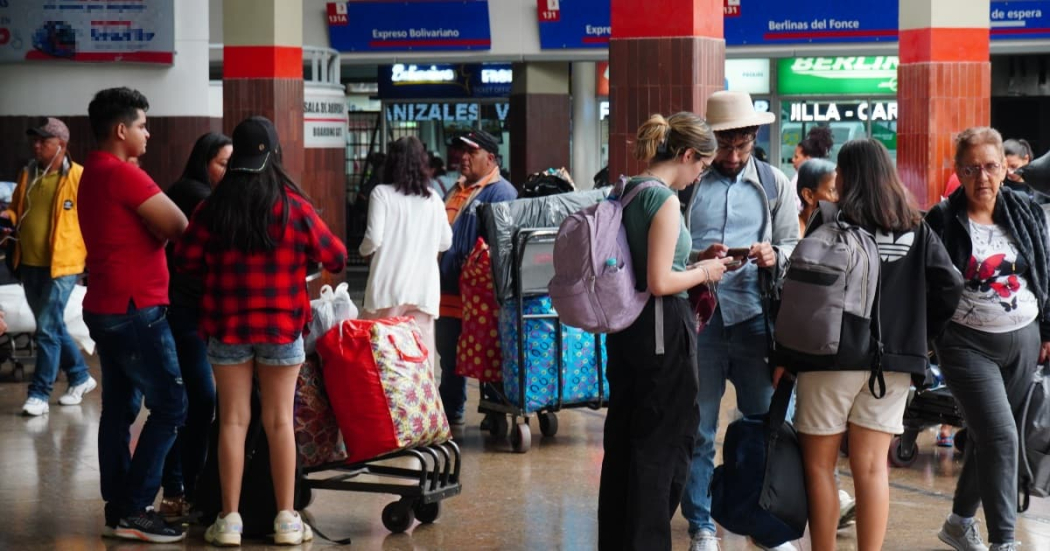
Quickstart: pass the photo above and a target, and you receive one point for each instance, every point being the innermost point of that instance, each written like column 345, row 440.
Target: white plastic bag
column 328, row 311
column 20, row 318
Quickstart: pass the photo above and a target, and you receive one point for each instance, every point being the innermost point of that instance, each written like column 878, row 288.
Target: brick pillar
column 539, row 117
column 262, row 71
column 660, row 65
column 944, row 87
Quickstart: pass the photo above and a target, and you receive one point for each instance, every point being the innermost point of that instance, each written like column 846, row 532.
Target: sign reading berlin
column 875, row 75
column 430, row 25
column 142, row 31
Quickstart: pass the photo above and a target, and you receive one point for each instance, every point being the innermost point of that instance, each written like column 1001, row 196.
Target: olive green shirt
column 638, row 217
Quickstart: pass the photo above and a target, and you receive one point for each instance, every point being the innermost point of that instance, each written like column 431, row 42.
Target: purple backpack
column 593, row 286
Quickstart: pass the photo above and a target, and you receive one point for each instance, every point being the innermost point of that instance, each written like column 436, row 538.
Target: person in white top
column 407, row 228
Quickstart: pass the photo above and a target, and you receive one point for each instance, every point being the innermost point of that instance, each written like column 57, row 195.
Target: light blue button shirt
column 731, row 212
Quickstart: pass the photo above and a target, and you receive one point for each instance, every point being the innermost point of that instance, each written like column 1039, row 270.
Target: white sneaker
column 75, row 394
column 786, row 546
column 847, row 510
column 289, row 529
column 225, row 531
column 704, row 541
column 35, row 407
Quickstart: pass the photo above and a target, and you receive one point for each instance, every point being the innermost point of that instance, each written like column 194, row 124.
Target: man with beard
column 744, row 208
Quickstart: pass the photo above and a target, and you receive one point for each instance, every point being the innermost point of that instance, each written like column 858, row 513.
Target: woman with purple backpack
column 653, row 414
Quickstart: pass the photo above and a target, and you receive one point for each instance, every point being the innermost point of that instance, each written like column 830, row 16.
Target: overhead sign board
column 774, row 22
column 868, row 75
column 409, row 25
column 574, row 23
column 467, row 80
column 141, row 31
column 747, row 75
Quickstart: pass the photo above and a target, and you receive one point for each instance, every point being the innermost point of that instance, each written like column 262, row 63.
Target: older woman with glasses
column 998, row 239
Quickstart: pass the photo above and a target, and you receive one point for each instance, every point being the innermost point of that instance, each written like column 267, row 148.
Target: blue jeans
column 137, row 354
column 736, row 353
column 186, row 458
column 453, row 388
column 55, row 349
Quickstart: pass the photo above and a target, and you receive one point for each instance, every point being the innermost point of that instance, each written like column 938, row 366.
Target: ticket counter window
column 848, row 119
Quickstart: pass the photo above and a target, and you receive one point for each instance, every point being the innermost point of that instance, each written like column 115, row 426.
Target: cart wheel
column 427, row 512
column 397, row 517
column 498, row 425
column 548, row 423
column 960, row 441
column 521, row 437
column 19, row 372
column 898, row 457
column 304, row 497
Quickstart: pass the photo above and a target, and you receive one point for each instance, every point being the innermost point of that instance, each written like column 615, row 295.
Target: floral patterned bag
column 381, row 387
column 478, row 353
column 316, row 431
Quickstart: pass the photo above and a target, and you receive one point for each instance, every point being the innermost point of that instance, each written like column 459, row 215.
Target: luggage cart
column 436, row 478
column 533, row 268
column 20, row 350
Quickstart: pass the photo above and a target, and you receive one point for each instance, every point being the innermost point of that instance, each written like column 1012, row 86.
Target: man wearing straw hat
column 743, row 207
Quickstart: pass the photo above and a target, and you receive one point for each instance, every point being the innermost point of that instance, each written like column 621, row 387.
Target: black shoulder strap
column 768, row 181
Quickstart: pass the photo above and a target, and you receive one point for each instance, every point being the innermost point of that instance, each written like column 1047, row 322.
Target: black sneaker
column 148, row 526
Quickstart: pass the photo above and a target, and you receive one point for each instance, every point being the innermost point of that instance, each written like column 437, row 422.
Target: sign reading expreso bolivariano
column 409, row 25
column 140, row 31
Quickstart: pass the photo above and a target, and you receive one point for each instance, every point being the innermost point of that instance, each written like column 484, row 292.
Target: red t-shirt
column 125, row 261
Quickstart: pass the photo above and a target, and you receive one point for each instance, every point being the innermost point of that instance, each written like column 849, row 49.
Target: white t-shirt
column 405, row 233
column 995, row 298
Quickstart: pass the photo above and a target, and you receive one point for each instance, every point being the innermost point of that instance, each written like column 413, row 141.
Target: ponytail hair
column 662, row 139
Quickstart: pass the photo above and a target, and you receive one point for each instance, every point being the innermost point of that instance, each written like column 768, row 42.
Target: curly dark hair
column 818, row 142
column 113, row 106
column 406, row 167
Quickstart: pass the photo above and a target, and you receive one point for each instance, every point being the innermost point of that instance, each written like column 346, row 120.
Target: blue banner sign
column 1020, row 20
column 409, row 25
column 574, row 23
column 774, row 22
column 471, row 80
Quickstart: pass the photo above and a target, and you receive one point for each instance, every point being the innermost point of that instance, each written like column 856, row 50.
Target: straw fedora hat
column 727, row 110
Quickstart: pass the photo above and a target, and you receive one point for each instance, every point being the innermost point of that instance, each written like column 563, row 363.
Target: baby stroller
column 930, row 405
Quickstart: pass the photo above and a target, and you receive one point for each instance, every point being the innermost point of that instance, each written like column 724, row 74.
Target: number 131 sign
column 549, row 10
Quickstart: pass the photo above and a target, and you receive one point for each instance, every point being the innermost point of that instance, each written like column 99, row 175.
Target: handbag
column 381, row 387
column 704, row 302
column 760, row 489
column 478, row 354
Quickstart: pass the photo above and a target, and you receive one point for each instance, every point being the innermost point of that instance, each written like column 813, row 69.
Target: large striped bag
column 381, row 387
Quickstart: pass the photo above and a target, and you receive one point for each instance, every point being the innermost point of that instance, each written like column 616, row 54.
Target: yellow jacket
column 67, row 244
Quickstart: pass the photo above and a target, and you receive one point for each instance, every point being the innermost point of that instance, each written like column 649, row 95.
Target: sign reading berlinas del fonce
column 430, row 25
column 142, row 31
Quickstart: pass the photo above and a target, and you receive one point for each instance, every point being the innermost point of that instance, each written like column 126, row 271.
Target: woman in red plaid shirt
column 251, row 242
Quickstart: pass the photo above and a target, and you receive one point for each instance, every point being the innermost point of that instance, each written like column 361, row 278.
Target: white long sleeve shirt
column 405, row 233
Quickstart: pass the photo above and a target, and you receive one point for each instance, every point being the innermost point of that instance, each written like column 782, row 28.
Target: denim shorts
column 220, row 353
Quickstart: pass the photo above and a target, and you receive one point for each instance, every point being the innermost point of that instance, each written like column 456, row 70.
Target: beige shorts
column 826, row 401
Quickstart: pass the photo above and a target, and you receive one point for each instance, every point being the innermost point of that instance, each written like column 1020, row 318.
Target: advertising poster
column 140, row 31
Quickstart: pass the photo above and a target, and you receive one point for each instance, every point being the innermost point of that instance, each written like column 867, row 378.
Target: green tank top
column 638, row 217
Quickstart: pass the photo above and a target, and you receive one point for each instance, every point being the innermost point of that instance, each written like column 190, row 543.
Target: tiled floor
column 542, row 500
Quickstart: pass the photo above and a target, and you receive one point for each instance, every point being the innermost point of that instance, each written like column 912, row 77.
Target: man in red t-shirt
column 126, row 220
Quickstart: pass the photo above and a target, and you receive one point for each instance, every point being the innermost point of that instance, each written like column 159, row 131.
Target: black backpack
column 258, row 506
column 542, row 184
column 1033, row 431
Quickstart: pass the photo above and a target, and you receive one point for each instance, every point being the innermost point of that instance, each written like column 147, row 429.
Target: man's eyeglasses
column 973, row 171
column 741, row 148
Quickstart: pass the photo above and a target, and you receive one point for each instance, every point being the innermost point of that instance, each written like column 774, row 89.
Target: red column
column 665, row 56
column 944, row 87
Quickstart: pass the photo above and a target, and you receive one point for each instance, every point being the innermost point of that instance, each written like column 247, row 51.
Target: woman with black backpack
column 918, row 290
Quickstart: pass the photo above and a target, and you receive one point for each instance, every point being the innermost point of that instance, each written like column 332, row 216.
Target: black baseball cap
column 479, row 139
column 255, row 143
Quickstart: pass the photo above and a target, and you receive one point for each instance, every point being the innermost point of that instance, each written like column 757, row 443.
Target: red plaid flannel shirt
column 260, row 297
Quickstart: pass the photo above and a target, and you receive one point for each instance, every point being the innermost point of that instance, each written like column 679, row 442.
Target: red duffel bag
column 381, row 387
